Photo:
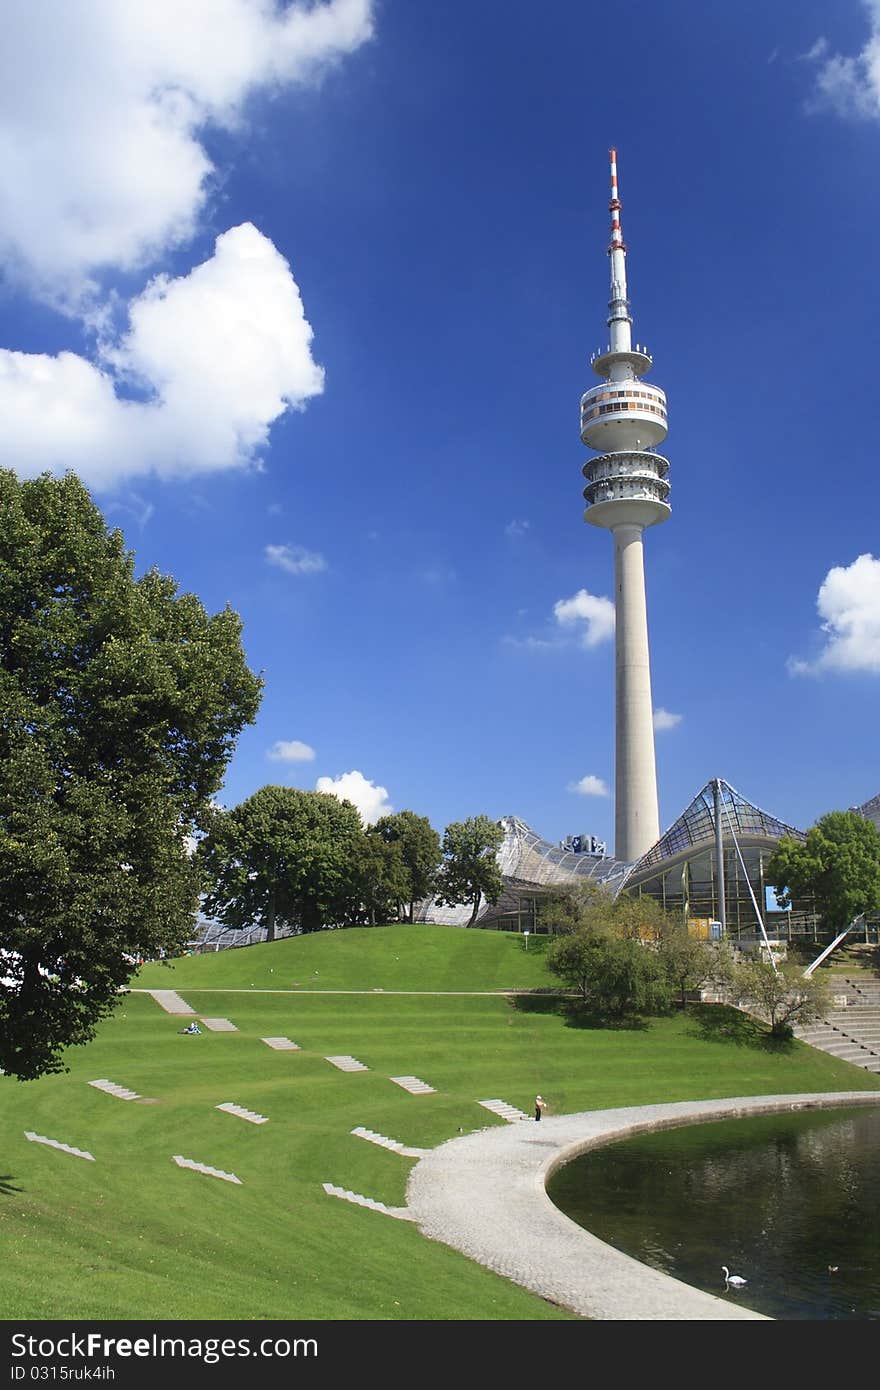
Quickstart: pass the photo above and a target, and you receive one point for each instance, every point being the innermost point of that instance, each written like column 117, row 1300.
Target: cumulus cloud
column 850, row 85
column 589, row 786
column 664, row 719
column 849, row 605
column 291, row 751
column 595, row 612
column 208, row 362
column 103, row 107
column 369, row 799
column 295, row 559
column 515, row 530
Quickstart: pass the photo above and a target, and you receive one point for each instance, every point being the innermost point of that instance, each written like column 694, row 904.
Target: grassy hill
column 132, row 1235
column 398, row 957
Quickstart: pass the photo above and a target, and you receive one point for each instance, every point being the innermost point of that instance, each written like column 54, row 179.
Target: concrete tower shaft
column 627, row 490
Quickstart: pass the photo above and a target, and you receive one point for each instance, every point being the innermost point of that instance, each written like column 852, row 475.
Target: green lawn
column 398, row 957
column 134, row 1236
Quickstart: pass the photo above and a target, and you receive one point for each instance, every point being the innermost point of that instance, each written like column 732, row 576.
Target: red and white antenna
column 617, row 242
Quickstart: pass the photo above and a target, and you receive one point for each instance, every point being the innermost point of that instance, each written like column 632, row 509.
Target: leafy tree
column 120, row 703
column 780, row 997
column 284, row 857
column 624, row 954
column 470, row 867
column 686, row 961
column 613, row 974
column 838, row 864
column 381, row 881
column 567, row 909
column 420, row 852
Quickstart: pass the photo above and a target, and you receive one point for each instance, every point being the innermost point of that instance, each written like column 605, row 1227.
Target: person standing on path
column 540, row 1104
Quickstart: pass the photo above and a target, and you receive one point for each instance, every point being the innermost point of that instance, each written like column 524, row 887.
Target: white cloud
column 370, row 799
column 849, row 604
column 589, row 786
column 595, row 612
column 515, row 530
column 102, row 108
column 528, row 643
column 295, row 559
column 291, row 751
column 220, row 353
column 134, row 506
column 438, row 576
column 850, row 85
column 664, row 719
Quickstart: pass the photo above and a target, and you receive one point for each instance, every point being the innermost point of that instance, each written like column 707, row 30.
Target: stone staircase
column 851, row 1029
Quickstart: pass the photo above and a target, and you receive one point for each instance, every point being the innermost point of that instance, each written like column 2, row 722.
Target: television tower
column 624, row 419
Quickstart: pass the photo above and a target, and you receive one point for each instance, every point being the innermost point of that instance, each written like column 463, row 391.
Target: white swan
column 733, row 1279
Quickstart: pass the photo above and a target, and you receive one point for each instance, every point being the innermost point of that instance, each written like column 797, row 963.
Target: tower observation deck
column 624, row 419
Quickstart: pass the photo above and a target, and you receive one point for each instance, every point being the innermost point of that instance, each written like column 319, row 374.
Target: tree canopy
column 120, row 703
column 622, row 955
column 470, row 868
column 838, row 865
column 781, row 997
column 283, row 857
column 420, row 852
column 381, row 881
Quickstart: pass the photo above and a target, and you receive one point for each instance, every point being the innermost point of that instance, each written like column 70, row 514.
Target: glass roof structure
column 529, row 863
column 695, row 828
column 870, row 810
column 524, row 858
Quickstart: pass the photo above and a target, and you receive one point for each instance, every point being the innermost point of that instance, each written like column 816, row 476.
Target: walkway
column 484, row 1194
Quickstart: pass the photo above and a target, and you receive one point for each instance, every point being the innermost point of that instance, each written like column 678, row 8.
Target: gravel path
column 484, row 1194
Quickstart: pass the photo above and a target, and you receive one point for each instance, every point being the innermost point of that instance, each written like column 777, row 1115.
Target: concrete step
column 413, row 1085
column 346, row 1063
column 849, row 1054
column 206, row 1169
column 394, row 1145
column 242, row 1113
column 401, row 1213
column 504, row 1109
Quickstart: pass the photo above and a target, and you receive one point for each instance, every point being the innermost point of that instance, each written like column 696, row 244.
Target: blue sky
column 307, row 297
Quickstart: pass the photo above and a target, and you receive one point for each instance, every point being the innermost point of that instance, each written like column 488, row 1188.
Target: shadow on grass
column 7, row 1186
column 722, row 1023
column 575, row 1014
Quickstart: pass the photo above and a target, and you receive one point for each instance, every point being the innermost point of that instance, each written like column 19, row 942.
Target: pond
column 789, row 1202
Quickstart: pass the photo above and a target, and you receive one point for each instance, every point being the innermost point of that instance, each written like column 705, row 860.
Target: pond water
column 789, row 1202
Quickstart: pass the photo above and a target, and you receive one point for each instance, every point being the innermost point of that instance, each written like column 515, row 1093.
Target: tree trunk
column 476, row 909
column 270, row 924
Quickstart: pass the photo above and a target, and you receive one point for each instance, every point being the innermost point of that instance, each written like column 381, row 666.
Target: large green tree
column 613, row 974
column 120, row 703
column 381, row 882
column 838, row 865
column 283, row 857
column 622, row 954
column 420, row 852
column 470, row 865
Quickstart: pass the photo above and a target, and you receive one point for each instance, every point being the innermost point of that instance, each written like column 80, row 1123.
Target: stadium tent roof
column 529, row 863
column 695, row 829
column 870, row 810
